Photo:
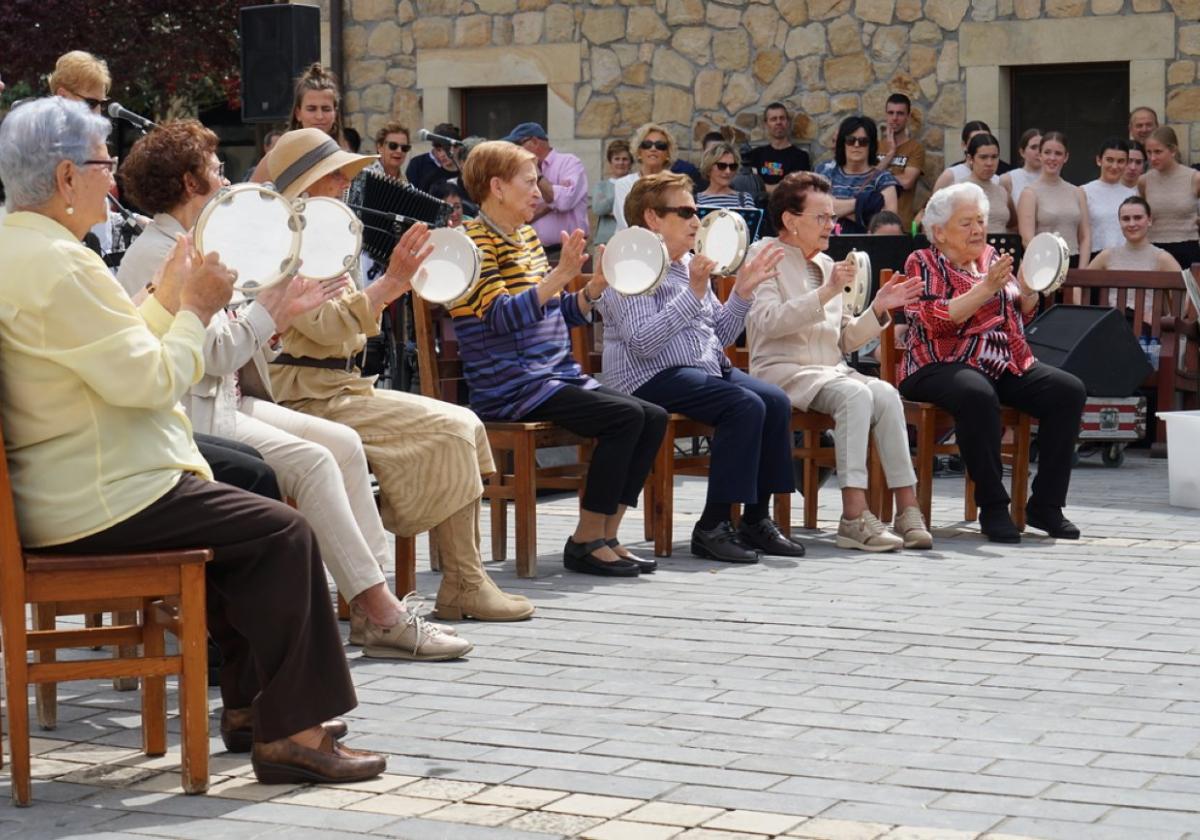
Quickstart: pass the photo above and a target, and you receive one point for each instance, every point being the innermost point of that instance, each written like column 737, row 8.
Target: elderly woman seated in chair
column 967, row 353
column 798, row 330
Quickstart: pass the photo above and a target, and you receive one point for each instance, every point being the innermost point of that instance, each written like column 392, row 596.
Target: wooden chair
column 166, row 588
column 927, row 418
column 1158, row 305
column 514, row 444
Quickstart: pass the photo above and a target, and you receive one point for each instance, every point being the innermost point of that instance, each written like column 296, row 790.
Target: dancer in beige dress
column 428, row 455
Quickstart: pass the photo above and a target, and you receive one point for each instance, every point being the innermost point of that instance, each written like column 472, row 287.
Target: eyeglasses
column 822, row 218
column 681, row 212
column 661, row 145
column 95, row 104
column 857, row 141
column 404, row 147
column 218, row 169
column 725, row 167
column 109, row 163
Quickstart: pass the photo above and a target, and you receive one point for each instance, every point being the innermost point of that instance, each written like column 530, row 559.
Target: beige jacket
column 796, row 343
column 336, row 330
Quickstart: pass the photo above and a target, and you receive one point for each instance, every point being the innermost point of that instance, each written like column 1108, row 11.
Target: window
column 492, row 112
column 1086, row 102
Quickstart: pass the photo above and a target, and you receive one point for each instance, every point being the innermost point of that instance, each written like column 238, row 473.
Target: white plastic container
column 1183, row 457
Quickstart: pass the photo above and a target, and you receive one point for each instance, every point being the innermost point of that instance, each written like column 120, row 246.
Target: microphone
column 128, row 215
column 429, row 135
column 117, row 112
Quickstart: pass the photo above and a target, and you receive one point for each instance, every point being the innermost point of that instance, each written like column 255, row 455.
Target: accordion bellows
column 390, row 207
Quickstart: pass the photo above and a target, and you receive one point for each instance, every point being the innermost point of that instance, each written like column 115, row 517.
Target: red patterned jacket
column 932, row 337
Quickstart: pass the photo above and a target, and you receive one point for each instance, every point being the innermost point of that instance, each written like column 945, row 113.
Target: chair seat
column 35, row 562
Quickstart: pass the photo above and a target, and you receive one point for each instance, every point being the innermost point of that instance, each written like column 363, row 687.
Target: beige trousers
column 322, row 466
column 860, row 407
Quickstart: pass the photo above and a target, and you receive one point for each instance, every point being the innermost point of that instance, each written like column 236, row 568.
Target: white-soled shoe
column 866, row 533
column 910, row 525
column 358, row 621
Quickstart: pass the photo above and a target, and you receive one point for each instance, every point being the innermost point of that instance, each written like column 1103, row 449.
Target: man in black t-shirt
column 779, row 156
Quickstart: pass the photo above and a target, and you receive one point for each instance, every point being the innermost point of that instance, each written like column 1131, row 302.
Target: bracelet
column 589, row 298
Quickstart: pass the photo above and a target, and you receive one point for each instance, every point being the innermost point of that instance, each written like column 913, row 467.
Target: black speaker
column 278, row 42
column 1093, row 342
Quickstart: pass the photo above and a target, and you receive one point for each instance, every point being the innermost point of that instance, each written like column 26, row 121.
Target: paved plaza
column 1047, row 690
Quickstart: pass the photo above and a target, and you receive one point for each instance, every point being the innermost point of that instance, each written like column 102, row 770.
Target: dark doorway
column 492, row 112
column 1087, row 102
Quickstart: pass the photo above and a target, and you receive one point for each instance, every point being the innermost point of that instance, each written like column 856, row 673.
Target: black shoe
column 1052, row 521
column 578, row 557
column 721, row 543
column 645, row 566
column 767, row 538
column 997, row 525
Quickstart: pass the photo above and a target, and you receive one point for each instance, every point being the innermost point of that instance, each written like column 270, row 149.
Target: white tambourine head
column 451, row 270
column 255, row 231
column 723, row 238
column 635, row 261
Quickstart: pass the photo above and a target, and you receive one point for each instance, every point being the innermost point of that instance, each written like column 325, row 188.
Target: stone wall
column 695, row 64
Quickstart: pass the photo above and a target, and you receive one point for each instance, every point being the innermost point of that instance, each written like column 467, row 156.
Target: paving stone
column 417, row 828
column 322, row 797
column 442, row 789
column 753, row 822
column 820, row 828
column 592, row 806
column 712, row 834
column 396, row 805
column 517, row 797
column 552, row 823
column 463, row 812
column 670, row 813
column 249, row 790
column 621, row 830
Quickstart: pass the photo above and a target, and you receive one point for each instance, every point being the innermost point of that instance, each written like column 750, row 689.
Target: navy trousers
column 752, row 442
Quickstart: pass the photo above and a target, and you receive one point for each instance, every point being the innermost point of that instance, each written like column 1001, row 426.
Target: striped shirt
column 732, row 199
column 669, row 328
column 516, row 353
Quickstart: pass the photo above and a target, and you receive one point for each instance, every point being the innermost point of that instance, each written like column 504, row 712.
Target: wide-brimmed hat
column 302, row 157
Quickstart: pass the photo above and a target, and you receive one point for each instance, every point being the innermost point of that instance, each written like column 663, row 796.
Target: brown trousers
column 268, row 602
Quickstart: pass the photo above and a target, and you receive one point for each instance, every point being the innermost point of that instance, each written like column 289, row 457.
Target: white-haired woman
column 103, row 461
column 967, row 353
column 653, row 150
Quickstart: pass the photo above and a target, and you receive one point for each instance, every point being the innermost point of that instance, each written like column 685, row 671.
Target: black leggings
column 627, row 431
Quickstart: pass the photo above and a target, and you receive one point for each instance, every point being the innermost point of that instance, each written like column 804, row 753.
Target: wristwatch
column 589, row 298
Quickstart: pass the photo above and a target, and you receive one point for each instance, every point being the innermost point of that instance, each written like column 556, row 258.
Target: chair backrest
column 1149, row 295
column 891, row 352
column 12, row 559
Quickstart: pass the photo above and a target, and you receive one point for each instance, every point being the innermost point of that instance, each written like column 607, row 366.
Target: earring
column 70, row 210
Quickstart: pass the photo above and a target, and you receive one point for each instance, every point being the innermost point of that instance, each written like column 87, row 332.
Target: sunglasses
column 661, row 145
column 725, row 167
column 681, row 212
column 862, row 142
column 94, row 104
column 404, row 147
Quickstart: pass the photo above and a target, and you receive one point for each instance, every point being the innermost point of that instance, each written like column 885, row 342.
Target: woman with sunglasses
column 799, row 330
column 391, row 142
column 720, row 166
column 859, row 190
column 667, row 347
column 654, row 149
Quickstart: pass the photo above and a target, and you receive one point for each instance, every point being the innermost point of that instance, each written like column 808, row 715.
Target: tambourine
column 723, row 238
column 635, row 261
column 857, row 293
column 331, row 238
column 1045, row 263
column 451, row 270
column 255, row 231
column 1193, row 289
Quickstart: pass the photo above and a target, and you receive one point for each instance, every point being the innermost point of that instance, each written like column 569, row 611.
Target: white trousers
column 322, row 466
column 859, row 408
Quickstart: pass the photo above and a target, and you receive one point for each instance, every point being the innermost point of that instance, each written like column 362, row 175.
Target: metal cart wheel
column 1113, row 455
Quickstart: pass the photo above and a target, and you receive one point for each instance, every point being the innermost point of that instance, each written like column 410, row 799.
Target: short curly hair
column 154, row 172
column 492, row 159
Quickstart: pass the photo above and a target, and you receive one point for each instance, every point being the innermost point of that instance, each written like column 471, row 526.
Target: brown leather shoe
column 286, row 762
column 237, row 729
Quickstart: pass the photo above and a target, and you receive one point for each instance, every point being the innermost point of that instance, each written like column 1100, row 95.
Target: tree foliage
column 159, row 52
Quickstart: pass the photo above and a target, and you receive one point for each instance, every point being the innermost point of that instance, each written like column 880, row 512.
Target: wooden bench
column 1157, row 304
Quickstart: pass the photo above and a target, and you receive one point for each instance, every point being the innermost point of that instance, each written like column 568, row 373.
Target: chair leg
column 970, row 509
column 125, row 652
column 783, row 513
column 1020, row 473
column 193, row 681
column 435, row 556
column 811, row 478
column 499, row 508
column 154, row 689
column 16, row 678
column 648, row 509
column 94, row 620
column 46, row 694
column 525, row 504
column 343, row 609
column 663, row 513
column 925, row 442
column 406, row 565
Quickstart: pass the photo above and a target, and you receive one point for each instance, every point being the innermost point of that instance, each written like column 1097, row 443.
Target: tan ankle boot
column 466, row 590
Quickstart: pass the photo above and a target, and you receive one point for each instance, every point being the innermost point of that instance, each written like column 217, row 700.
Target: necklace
column 487, row 220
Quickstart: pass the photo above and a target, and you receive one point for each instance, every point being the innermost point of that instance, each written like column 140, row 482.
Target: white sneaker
column 411, row 638
column 866, row 533
column 910, row 525
column 358, row 620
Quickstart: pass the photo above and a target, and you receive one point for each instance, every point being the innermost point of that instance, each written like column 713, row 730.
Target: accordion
column 389, row 207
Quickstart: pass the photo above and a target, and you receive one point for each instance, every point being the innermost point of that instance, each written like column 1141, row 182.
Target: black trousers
column 1053, row 396
column 1185, row 253
column 627, row 431
column 238, row 464
column 268, row 603
column 752, row 443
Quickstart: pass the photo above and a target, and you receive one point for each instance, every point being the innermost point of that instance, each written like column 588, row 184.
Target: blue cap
column 526, row 131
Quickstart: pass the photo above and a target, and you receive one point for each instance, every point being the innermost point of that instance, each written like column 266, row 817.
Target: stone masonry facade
column 696, row 64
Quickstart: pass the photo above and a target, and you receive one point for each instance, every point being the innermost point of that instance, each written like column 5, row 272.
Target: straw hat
column 302, row 157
